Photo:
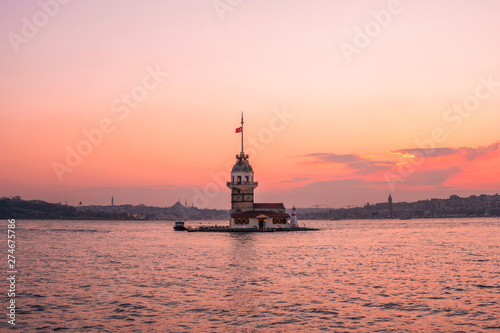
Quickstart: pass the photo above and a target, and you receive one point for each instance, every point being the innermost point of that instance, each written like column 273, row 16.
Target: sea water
column 429, row 275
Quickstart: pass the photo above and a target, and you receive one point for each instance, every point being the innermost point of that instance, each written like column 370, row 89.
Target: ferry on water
column 179, row 225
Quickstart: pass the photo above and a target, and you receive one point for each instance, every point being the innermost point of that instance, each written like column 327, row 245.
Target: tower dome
column 242, row 164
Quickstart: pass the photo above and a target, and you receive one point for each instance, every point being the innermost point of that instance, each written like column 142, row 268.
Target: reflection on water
column 356, row 276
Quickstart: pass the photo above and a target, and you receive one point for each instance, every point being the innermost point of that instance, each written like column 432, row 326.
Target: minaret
column 242, row 183
column 390, row 205
column 112, row 201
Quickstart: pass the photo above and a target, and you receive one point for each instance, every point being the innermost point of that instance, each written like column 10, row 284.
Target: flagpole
column 242, row 153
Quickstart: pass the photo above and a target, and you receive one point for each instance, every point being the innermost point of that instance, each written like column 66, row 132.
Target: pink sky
column 322, row 126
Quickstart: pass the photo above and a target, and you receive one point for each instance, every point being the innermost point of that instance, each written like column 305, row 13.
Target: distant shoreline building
column 245, row 213
column 390, row 206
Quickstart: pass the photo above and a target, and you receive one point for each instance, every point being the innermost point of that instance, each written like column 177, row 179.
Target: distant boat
column 179, row 225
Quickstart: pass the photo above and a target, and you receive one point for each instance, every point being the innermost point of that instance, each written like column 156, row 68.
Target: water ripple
column 353, row 276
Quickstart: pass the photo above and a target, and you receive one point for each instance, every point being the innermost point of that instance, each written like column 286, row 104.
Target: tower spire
column 242, row 153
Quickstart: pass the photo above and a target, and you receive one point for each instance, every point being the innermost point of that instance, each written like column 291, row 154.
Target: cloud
column 296, row 180
column 333, row 158
column 428, row 152
column 367, row 166
column 360, row 164
column 432, row 177
column 418, row 173
column 470, row 153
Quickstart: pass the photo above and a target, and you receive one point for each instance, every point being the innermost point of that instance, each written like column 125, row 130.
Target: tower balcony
column 242, row 184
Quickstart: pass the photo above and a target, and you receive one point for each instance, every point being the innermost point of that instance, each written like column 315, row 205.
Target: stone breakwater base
column 227, row 229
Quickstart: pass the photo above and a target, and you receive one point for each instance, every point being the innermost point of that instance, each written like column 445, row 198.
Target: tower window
column 246, row 179
column 279, row 220
column 241, row 221
column 239, row 179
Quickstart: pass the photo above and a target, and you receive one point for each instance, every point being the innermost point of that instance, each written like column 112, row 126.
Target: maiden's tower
column 245, row 213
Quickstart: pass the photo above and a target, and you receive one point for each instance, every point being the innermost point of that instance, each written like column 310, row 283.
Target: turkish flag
column 239, row 129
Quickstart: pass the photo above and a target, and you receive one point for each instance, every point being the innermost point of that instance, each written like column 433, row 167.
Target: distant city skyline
column 345, row 103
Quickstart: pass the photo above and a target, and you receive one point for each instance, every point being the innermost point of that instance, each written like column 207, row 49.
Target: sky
column 344, row 102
